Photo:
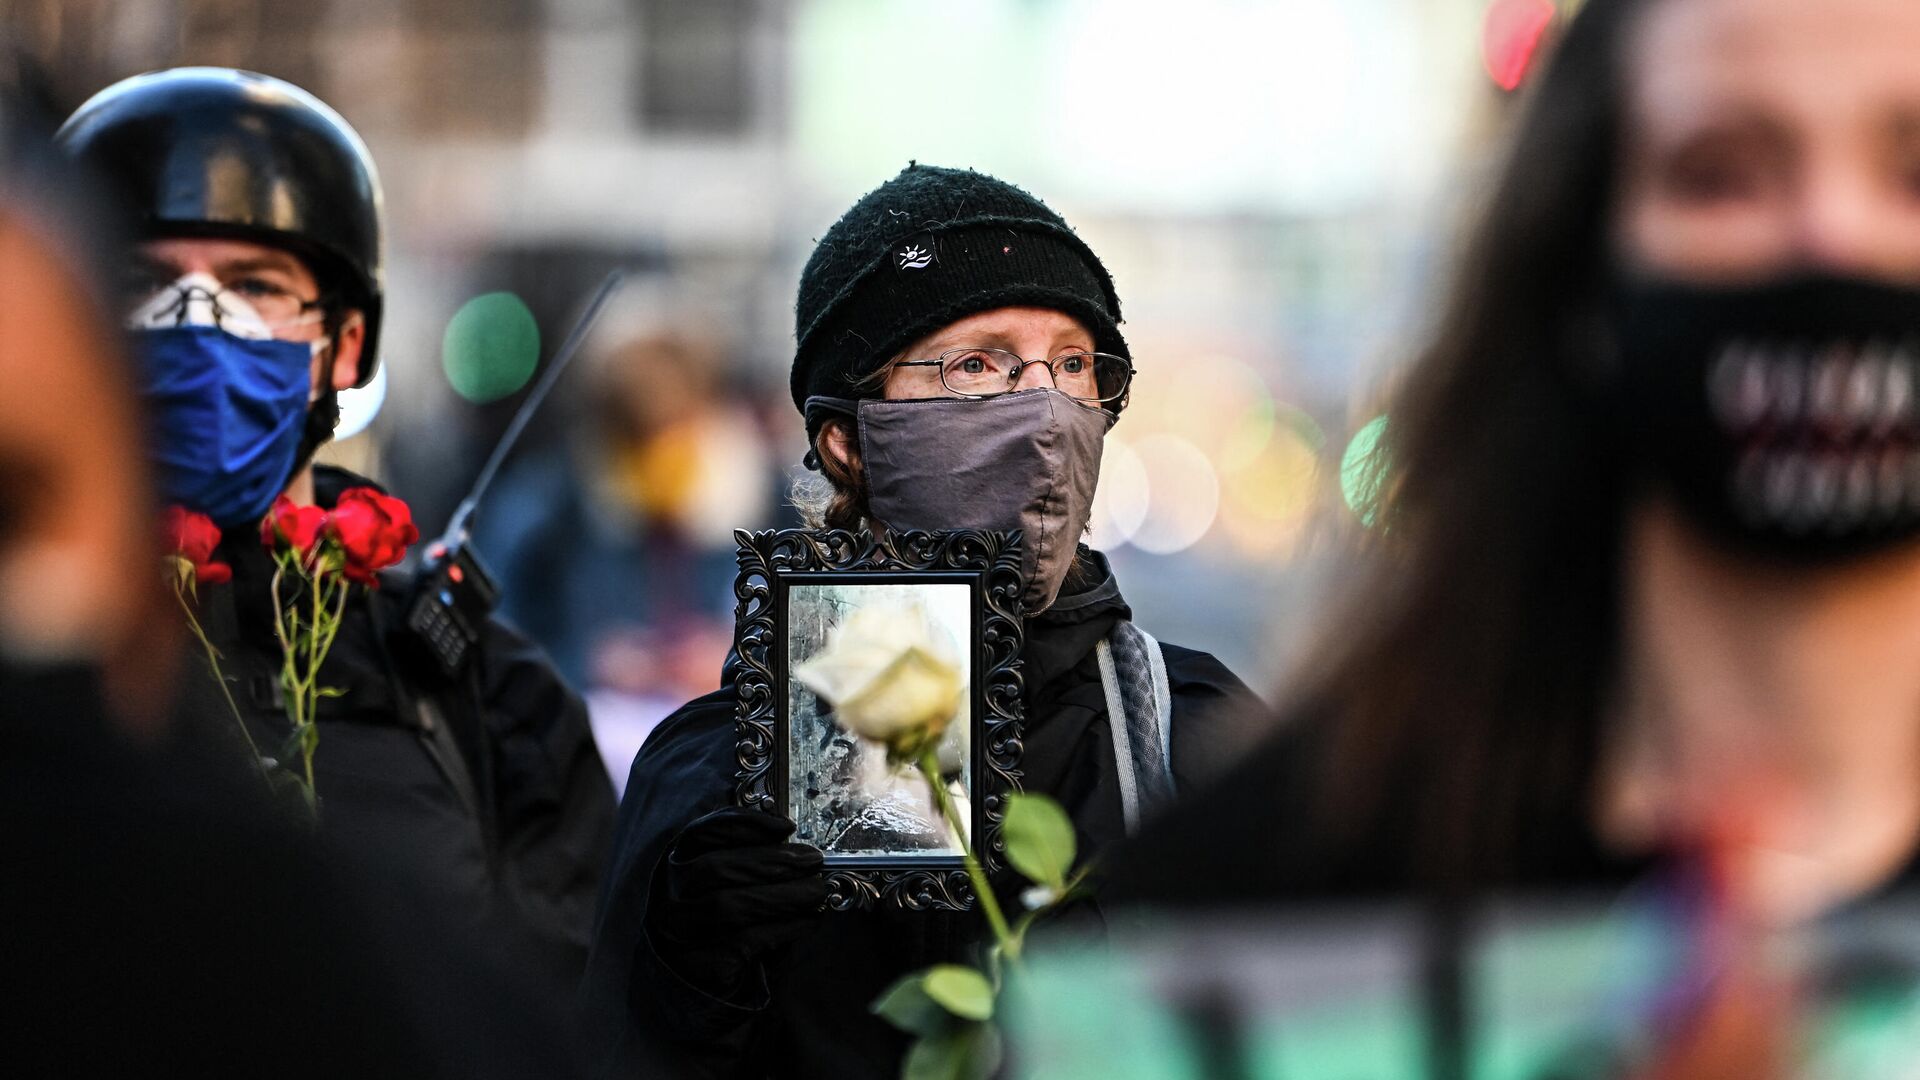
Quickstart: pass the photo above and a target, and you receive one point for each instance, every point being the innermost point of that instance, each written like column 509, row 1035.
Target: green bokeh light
column 1361, row 469
column 491, row 347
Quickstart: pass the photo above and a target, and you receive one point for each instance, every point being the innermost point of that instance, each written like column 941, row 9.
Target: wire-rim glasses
column 977, row 372
column 278, row 308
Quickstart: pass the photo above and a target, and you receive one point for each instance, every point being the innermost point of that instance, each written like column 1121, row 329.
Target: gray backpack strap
column 1133, row 673
column 1162, row 697
column 1122, row 750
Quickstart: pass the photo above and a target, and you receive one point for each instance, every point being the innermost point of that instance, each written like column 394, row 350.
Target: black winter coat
column 813, row 1019
column 521, row 847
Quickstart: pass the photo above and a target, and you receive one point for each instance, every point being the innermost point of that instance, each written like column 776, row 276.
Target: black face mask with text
column 1782, row 416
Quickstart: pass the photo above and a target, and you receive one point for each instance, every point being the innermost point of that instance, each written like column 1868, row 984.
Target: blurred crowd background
column 1271, row 184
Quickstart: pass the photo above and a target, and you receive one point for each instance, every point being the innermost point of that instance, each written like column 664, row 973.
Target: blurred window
column 476, row 65
column 258, row 35
column 696, row 72
column 79, row 46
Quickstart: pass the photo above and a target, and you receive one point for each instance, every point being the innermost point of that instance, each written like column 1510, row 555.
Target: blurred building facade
column 1269, row 183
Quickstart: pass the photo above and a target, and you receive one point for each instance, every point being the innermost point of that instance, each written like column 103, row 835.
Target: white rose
column 890, row 674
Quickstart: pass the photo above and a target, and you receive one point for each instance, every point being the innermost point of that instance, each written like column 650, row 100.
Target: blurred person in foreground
column 1645, row 593
column 79, row 592
column 255, row 296
column 155, row 920
column 958, row 363
column 160, row 916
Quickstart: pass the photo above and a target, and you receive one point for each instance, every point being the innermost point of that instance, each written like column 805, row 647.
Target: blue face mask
column 226, row 416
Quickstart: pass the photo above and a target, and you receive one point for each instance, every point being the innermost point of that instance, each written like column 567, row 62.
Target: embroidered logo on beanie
column 915, row 257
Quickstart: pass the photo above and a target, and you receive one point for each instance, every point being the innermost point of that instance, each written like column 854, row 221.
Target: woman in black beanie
column 958, row 362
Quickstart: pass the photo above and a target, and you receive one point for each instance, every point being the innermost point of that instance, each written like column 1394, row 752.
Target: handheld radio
column 454, row 594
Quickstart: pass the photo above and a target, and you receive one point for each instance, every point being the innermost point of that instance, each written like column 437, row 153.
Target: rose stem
column 220, row 680
column 929, row 765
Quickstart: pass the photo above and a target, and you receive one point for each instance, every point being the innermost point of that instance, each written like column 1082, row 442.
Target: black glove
column 730, row 891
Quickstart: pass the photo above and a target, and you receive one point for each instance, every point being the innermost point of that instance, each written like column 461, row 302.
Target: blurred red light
column 1511, row 37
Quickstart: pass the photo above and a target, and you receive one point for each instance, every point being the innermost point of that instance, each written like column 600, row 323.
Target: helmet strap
column 323, row 413
column 322, row 417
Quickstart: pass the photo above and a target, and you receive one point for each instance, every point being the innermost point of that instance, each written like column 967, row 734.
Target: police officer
column 260, row 218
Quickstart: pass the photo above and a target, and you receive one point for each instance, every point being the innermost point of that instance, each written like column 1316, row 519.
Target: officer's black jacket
column 522, row 846
column 812, row 1019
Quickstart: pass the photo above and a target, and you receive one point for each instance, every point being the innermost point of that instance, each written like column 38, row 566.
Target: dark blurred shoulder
column 1245, row 838
column 700, row 721
column 1284, row 826
column 1218, row 719
column 162, row 918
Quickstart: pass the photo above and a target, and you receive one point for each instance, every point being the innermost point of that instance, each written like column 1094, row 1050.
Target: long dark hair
column 1467, row 678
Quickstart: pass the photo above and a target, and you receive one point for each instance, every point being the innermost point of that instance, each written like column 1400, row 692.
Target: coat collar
column 1064, row 634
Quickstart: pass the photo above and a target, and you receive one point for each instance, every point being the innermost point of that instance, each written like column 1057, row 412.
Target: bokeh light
column 1218, row 403
column 1266, row 502
column 1360, row 470
column 1120, row 500
column 1183, row 494
column 361, row 404
column 1511, row 36
column 1241, row 463
column 491, row 347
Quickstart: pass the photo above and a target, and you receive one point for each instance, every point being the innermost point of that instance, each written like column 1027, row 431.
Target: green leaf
column 960, row 990
column 1039, row 839
column 969, row 1052
column 906, row 1006
column 941, row 1057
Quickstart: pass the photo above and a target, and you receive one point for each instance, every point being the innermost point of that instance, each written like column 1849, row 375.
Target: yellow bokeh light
column 1208, row 449
column 1266, row 503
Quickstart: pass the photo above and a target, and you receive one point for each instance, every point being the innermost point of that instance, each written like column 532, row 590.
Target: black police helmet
column 226, row 153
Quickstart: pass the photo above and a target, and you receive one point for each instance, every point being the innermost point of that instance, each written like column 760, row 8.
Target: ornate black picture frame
column 772, row 564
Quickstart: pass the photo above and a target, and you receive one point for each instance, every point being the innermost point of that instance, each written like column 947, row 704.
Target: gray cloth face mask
column 1028, row 460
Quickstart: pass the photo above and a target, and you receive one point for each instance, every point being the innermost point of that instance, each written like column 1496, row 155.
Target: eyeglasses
column 279, row 308
column 983, row 373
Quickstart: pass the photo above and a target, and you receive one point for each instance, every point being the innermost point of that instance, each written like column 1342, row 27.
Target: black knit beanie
column 922, row 250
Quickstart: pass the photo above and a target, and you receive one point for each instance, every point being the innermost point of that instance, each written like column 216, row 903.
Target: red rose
column 190, row 535
column 193, row 536
column 292, row 527
column 373, row 531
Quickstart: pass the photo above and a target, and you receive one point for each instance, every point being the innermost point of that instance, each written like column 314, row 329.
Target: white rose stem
column 929, row 766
